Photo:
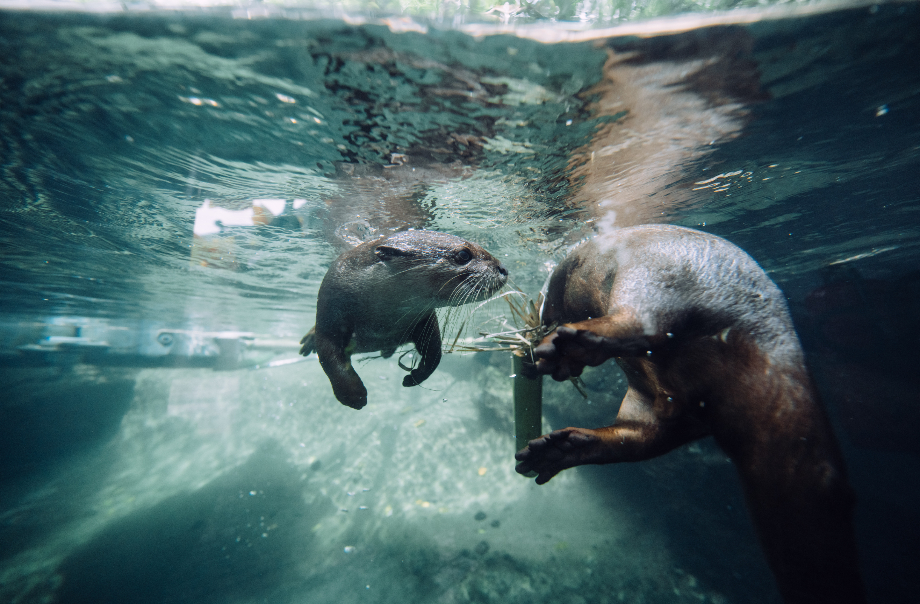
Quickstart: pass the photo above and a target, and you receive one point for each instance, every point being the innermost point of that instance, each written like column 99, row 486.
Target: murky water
column 174, row 186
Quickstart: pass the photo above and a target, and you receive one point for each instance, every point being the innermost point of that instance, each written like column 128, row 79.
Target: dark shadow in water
column 238, row 538
column 691, row 496
column 861, row 337
column 696, row 503
column 48, row 414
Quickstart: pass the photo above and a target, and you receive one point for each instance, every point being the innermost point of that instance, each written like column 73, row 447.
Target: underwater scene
column 176, row 181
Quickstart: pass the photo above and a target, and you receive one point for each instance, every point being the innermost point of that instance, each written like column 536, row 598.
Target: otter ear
column 388, row 252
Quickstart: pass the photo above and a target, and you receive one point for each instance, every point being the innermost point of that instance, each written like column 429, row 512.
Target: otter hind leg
column 308, row 342
column 558, row 451
column 645, row 427
column 426, row 335
column 802, row 507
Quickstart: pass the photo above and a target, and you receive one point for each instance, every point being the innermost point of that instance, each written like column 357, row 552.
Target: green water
column 157, row 446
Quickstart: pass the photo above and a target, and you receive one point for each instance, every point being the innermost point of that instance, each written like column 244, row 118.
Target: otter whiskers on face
column 384, row 293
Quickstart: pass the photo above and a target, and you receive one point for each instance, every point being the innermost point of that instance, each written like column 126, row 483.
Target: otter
column 383, row 294
column 708, row 347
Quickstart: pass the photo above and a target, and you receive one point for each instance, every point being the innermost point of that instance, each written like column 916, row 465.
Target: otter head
column 448, row 269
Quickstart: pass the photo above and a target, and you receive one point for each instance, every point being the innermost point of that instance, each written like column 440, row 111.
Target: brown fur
column 383, row 294
column 708, row 348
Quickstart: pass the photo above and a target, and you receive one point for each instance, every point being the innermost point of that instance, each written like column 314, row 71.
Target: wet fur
column 383, row 294
column 708, row 348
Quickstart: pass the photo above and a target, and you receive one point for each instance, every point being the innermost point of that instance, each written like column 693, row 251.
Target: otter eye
column 463, row 256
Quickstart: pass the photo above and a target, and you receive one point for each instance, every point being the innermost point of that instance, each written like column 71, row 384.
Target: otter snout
column 499, row 268
column 502, row 277
column 495, row 277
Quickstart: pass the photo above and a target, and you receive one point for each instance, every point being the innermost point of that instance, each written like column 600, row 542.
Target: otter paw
column 555, row 452
column 355, row 403
column 352, row 395
column 413, row 380
column 566, row 352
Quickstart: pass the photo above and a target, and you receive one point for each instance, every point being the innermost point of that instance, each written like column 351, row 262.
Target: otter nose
column 502, row 270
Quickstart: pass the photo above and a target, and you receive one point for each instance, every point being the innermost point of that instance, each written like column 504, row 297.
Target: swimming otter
column 382, row 294
column 708, row 347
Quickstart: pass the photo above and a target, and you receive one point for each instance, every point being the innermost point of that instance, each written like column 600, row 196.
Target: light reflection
column 211, row 249
column 198, row 102
column 665, row 112
column 211, row 220
column 722, row 182
column 208, row 407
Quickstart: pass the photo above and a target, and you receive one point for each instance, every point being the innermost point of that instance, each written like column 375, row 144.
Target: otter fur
column 708, row 348
column 383, row 294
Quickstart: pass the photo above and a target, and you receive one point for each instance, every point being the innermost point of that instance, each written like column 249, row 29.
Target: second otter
column 708, row 347
column 383, row 293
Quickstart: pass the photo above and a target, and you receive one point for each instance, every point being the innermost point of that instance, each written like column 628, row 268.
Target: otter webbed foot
column 557, row 451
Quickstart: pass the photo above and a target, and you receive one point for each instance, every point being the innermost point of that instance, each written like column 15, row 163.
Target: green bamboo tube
column 528, row 406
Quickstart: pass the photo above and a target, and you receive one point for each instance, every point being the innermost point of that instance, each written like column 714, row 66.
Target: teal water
column 175, row 184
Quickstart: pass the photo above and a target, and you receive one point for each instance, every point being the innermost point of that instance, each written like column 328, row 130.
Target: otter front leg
column 427, row 339
column 336, row 362
column 644, row 428
column 572, row 347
